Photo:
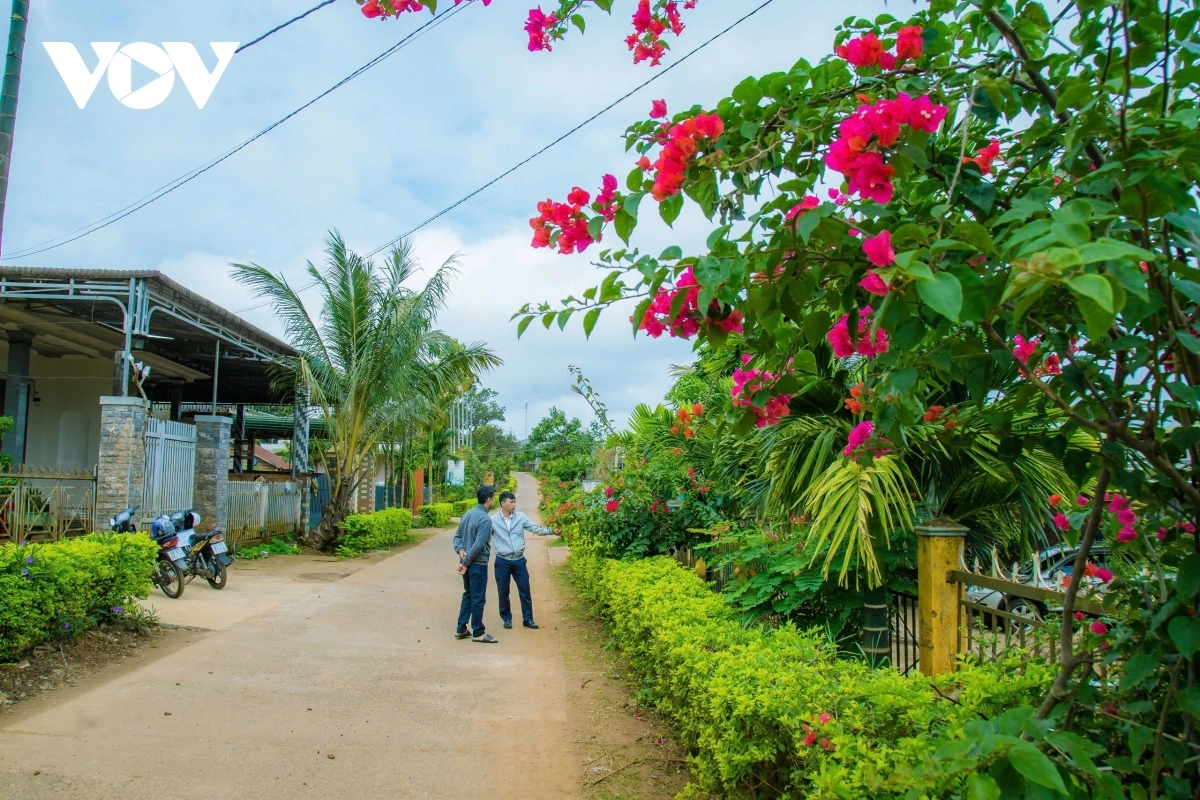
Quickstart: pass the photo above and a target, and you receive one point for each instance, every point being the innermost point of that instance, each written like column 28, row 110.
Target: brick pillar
column 121, row 467
column 210, row 497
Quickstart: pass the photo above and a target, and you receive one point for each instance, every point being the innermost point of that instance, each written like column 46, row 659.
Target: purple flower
column 66, row 626
column 25, row 572
column 28, row 559
column 118, row 610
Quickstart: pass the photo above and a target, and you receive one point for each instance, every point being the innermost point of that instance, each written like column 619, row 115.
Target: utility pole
column 526, row 420
column 8, row 95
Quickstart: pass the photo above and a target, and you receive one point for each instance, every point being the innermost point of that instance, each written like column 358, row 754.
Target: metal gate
column 170, row 467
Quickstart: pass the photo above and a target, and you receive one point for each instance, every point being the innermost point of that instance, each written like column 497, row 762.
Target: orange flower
column 674, row 430
column 697, row 409
column 934, row 413
column 951, row 425
column 1055, row 499
column 676, row 452
column 858, row 390
column 688, row 433
column 854, row 406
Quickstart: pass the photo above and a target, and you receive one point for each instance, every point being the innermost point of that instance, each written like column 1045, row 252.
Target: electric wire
column 278, row 28
column 569, row 133
column 162, row 191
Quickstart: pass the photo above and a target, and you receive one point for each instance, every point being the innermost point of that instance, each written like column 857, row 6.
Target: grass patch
column 279, row 546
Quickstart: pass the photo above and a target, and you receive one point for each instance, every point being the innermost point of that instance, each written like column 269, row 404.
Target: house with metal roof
column 127, row 389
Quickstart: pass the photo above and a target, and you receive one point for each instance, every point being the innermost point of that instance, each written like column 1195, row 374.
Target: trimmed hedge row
column 463, row 506
column 63, row 588
column 436, row 516
column 776, row 713
column 382, row 529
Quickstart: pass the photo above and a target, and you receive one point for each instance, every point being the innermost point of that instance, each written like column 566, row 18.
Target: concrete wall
column 64, row 425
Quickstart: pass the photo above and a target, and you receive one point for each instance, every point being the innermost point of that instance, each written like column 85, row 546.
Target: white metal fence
column 170, row 467
column 260, row 509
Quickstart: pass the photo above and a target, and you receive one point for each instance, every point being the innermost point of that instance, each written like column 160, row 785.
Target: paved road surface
column 365, row 670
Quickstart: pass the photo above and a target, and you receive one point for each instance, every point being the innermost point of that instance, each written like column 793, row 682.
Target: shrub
column 435, row 516
column 377, row 531
column 775, row 713
column 279, row 546
column 463, row 506
column 61, row 589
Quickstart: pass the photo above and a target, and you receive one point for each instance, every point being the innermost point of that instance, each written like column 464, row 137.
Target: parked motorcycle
column 207, row 555
column 168, row 574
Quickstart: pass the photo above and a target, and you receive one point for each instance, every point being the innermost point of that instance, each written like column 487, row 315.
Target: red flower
column 910, row 43
column 1098, row 628
column 1055, row 499
column 934, row 413
column 658, row 109
column 612, row 505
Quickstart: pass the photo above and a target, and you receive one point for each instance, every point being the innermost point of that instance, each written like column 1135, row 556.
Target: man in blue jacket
column 508, row 529
column 471, row 542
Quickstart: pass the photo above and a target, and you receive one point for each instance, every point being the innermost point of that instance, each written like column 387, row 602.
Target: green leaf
column 522, row 325
column 563, row 317
column 1034, row 765
column 1105, row 249
column 669, row 209
column 983, row 787
column 981, row 193
column 1072, row 234
column 1138, row 669
column 1190, row 289
column 816, row 327
column 579, row 22
column 589, row 322
column 624, row 223
column 712, row 272
column 1185, row 633
column 1095, row 288
column 748, row 92
column 1079, row 750
column 806, row 362
column 548, row 319
column 1098, row 320
column 633, row 181
column 1189, row 701
column 1189, row 341
column 672, row 253
column 943, row 293
column 1187, row 585
column 975, row 234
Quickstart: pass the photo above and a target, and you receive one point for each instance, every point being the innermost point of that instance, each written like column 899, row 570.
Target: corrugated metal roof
column 165, row 284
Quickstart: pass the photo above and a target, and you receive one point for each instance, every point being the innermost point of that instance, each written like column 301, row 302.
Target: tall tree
column 372, row 355
column 14, row 57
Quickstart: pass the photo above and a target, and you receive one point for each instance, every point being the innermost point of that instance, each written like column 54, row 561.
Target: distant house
column 127, row 389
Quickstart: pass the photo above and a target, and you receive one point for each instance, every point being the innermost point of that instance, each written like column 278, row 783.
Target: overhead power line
column 165, row 189
column 278, row 28
column 569, row 133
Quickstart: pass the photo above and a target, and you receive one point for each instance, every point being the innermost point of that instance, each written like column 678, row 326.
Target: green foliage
column 567, row 468
column 62, row 589
column 436, row 516
column 377, row 531
column 556, row 437
column 279, row 546
column 463, row 506
column 749, row 703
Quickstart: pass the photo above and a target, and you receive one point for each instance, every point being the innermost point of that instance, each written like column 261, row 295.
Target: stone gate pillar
column 210, row 498
column 121, row 467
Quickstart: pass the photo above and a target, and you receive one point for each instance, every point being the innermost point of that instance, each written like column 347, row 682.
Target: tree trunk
column 876, row 638
column 325, row 536
column 8, row 96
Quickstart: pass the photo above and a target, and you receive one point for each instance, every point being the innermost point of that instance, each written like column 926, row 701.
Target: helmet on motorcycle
column 162, row 527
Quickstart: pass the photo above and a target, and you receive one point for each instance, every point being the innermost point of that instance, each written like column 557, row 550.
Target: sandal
column 487, row 638
column 462, row 634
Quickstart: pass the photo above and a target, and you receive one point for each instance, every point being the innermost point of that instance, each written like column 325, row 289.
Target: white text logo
column 164, row 61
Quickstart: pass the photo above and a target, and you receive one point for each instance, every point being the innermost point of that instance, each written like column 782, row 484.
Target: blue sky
column 435, row 121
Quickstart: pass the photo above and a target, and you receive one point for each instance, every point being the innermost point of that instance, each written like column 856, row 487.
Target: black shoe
column 532, row 625
column 508, row 624
column 462, row 634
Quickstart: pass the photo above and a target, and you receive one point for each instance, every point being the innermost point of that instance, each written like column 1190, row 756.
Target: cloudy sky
column 435, row 121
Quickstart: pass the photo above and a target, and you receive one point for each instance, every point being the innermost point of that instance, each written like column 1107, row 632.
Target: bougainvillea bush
column 940, row 199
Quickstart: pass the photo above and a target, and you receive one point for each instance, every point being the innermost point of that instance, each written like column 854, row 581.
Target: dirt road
column 355, row 690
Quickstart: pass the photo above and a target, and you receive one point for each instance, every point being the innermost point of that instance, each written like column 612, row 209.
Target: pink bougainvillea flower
column 875, row 284
column 612, row 505
column 1104, row 574
column 1023, row 348
column 1189, row 527
column 862, row 432
column 658, row 109
column 1126, row 535
column 1079, row 616
column 1061, row 522
column 879, row 249
column 1082, row 501
column 808, row 203
column 864, row 51
column 1099, row 628
column 825, row 717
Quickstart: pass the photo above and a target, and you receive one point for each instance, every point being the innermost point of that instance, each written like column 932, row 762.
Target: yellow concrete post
column 939, row 550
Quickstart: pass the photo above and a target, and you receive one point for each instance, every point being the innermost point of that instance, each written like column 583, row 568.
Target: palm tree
column 18, row 24
column 371, row 357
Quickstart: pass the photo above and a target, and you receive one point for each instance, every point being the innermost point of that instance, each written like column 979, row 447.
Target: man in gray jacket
column 508, row 529
column 471, row 543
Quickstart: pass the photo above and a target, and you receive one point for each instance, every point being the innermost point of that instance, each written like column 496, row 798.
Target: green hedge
column 463, row 506
column 61, row 589
column 749, row 703
column 377, row 531
column 436, row 516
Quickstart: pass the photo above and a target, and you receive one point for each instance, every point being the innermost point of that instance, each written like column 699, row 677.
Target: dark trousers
column 473, row 599
column 519, row 571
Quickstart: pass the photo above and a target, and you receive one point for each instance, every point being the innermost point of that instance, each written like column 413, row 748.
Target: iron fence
column 46, row 504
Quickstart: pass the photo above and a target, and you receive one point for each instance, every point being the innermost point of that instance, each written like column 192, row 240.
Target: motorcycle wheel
column 222, row 576
column 170, row 579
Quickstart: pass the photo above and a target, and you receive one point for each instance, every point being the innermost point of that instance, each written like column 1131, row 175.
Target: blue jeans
column 519, row 571
column 474, row 596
